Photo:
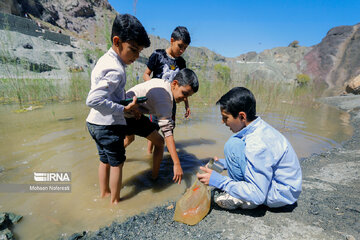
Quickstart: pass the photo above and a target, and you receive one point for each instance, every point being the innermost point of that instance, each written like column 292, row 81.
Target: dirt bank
column 327, row 209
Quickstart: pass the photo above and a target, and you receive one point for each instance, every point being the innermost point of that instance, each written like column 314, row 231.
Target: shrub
column 302, row 79
column 223, row 73
column 294, row 44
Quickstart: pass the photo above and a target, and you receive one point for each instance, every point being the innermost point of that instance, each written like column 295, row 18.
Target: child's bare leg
column 128, row 140
column 104, row 171
column 150, row 147
column 115, row 183
column 158, row 153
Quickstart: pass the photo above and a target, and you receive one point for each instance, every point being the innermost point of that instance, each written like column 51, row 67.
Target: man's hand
column 178, row 173
column 205, row 176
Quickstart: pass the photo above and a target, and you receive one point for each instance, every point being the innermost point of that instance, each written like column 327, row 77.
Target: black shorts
column 142, row 127
column 109, row 142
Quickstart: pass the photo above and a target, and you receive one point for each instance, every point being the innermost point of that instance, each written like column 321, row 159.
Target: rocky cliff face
column 88, row 22
column 336, row 59
column 79, row 16
column 277, row 64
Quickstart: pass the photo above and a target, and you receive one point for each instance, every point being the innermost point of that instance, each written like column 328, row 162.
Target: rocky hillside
column 81, row 18
column 334, row 60
column 280, row 64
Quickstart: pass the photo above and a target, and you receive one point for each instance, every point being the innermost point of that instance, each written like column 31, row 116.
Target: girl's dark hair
column 129, row 28
column 239, row 99
column 181, row 33
column 187, row 77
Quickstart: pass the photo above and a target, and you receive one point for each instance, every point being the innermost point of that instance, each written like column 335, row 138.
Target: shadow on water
column 193, row 142
column 189, row 163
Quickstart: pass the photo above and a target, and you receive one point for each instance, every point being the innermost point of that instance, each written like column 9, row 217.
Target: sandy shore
column 328, row 207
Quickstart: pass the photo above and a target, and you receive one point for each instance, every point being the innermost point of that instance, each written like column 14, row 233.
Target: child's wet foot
column 116, row 201
column 104, row 195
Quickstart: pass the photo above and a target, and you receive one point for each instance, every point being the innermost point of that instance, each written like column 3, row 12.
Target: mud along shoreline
column 328, row 207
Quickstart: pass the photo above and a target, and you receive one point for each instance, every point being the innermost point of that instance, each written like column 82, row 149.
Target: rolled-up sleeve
column 166, row 126
column 99, row 95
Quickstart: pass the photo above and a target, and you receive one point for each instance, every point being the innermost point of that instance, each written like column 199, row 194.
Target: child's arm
column 252, row 190
column 151, row 64
column 167, row 126
column 178, row 172
column 98, row 95
column 162, row 105
column 147, row 74
column 256, row 182
column 187, row 108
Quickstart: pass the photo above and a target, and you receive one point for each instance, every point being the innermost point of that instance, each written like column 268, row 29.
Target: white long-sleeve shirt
column 272, row 174
column 108, row 79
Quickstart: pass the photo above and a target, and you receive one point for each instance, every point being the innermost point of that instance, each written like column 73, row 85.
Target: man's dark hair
column 129, row 28
column 239, row 99
column 181, row 33
column 187, row 77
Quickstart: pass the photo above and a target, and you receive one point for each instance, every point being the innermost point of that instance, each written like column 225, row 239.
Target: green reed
column 78, row 88
column 25, row 91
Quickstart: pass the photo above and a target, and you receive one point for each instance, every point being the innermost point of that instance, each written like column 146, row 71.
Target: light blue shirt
column 269, row 165
column 108, row 79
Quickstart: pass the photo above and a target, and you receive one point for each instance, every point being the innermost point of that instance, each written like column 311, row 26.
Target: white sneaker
column 225, row 200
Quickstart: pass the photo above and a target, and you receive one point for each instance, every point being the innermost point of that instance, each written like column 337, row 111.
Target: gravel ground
column 328, row 207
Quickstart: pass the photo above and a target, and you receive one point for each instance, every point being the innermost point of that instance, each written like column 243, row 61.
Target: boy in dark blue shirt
column 166, row 63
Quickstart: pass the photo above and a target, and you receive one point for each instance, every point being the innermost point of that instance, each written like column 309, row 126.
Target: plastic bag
column 194, row 205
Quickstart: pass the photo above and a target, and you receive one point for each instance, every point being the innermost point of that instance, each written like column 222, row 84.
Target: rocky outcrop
column 277, row 64
column 336, row 58
column 78, row 16
column 334, row 61
column 353, row 86
column 35, row 57
column 7, row 220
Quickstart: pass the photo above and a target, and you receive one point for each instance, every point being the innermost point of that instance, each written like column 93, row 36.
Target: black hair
column 181, row 33
column 239, row 99
column 187, row 77
column 129, row 28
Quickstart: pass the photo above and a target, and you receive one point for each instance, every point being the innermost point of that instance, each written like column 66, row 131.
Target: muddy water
column 54, row 139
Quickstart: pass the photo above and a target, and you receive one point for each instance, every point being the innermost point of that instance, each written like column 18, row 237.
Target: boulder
column 27, row 46
column 7, row 220
column 353, row 86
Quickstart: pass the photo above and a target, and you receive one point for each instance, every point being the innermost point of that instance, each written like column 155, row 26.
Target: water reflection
column 55, row 139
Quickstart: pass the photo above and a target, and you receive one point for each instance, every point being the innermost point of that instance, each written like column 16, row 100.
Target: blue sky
column 231, row 27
